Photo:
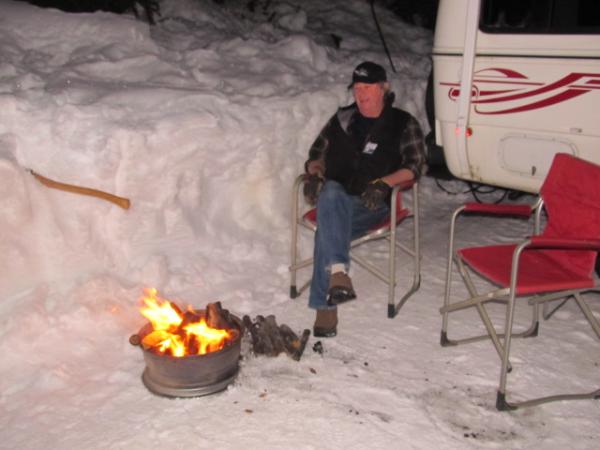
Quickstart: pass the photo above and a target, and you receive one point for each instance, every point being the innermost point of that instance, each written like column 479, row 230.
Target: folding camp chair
column 385, row 230
column 549, row 266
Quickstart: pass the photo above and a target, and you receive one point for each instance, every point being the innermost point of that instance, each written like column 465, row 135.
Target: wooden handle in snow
column 119, row 201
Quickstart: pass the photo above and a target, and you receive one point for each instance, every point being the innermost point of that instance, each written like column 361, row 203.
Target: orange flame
column 176, row 333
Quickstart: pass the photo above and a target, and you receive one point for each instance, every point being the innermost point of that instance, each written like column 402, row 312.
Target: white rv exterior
column 532, row 93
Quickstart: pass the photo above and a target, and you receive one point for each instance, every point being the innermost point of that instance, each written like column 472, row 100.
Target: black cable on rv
column 448, row 191
column 387, row 52
column 477, row 188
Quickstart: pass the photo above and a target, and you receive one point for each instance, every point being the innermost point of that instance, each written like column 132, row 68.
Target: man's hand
column 375, row 194
column 312, row 187
column 314, row 167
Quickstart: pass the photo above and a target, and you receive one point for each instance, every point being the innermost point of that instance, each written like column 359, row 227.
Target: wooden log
column 217, row 317
column 294, row 345
column 192, row 344
column 177, row 309
column 264, row 342
column 303, row 340
column 290, row 339
column 259, row 345
column 189, row 317
column 272, row 330
column 247, row 321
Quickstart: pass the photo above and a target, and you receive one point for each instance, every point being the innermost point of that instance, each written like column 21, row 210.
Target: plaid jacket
column 394, row 141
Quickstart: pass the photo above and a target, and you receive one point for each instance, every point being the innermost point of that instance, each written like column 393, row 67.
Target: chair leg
column 444, row 341
column 492, row 332
column 293, row 291
column 294, row 238
column 589, row 315
column 296, row 291
column 296, row 221
column 547, row 312
column 510, row 314
column 502, row 403
column 393, row 307
column 392, row 263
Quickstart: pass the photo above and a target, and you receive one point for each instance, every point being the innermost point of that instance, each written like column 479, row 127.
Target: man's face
column 369, row 98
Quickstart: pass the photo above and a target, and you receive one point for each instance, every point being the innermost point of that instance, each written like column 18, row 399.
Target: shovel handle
column 119, row 201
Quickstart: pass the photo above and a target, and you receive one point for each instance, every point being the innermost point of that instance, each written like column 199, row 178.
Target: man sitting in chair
column 361, row 153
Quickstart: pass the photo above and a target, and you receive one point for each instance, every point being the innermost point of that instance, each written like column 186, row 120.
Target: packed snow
column 203, row 121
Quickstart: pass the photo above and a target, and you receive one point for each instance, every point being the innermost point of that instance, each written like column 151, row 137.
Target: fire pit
column 191, row 353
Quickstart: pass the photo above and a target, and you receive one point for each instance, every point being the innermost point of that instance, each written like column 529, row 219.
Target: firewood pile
column 271, row 339
column 266, row 336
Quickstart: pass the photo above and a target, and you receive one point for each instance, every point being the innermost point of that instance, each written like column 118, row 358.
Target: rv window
column 540, row 16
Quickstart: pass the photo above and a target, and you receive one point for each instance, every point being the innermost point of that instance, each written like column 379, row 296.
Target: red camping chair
column 385, row 230
column 553, row 265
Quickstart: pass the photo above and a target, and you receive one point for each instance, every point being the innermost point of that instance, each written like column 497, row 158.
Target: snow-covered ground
column 204, row 121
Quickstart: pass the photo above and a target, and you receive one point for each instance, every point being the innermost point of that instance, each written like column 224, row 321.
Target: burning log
column 302, row 346
column 269, row 338
column 174, row 332
column 294, row 345
column 217, row 317
column 175, row 308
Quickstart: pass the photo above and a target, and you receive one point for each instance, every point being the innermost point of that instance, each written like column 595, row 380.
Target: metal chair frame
column 508, row 296
column 389, row 233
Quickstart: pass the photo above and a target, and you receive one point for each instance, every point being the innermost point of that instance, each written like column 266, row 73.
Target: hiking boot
column 325, row 323
column 340, row 289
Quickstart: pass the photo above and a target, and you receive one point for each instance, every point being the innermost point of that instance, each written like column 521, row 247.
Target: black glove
column 375, row 194
column 312, row 187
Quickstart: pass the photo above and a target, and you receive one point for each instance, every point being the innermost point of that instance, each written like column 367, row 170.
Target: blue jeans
column 341, row 218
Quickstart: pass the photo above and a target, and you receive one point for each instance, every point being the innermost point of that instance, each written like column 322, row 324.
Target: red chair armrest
column 404, row 185
column 498, row 209
column 571, row 244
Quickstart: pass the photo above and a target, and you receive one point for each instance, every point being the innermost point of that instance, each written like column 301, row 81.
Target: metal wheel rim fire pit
column 191, row 376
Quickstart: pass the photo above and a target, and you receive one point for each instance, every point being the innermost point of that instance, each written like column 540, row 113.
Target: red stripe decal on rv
column 512, row 90
column 561, row 97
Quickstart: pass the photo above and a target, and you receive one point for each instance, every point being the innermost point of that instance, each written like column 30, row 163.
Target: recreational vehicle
column 515, row 82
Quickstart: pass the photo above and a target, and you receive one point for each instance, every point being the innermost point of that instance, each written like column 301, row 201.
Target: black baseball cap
column 368, row 72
